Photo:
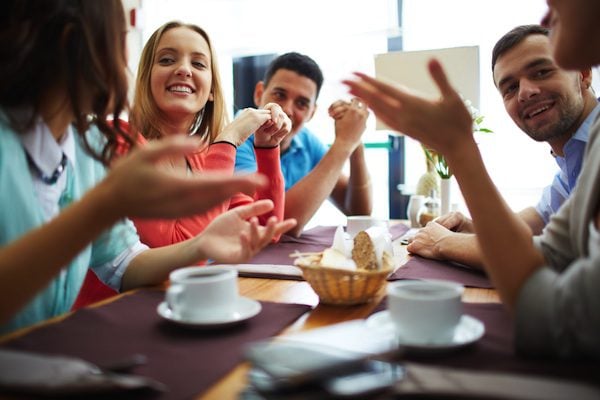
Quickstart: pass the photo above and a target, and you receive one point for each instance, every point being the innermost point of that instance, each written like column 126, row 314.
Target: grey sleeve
column 557, row 313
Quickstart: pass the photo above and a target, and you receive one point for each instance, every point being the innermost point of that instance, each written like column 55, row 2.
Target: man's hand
column 427, row 241
column 456, row 222
column 350, row 121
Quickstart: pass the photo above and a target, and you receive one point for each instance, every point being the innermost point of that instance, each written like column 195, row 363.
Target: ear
column 211, row 97
column 586, row 78
column 312, row 113
column 259, row 89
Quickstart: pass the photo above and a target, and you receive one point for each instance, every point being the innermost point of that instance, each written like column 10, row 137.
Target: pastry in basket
column 363, row 252
column 351, row 271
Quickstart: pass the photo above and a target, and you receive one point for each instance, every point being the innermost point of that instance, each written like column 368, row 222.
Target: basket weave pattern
column 343, row 287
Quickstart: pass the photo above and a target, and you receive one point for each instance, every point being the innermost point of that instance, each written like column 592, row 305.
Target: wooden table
column 300, row 292
column 287, row 291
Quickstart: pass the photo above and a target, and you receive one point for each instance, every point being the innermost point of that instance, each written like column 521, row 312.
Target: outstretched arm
column 232, row 237
column 439, row 243
column 449, row 238
column 122, row 193
column 445, row 125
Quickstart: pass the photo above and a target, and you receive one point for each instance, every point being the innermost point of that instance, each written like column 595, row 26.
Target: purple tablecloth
column 495, row 351
column 188, row 361
column 423, row 268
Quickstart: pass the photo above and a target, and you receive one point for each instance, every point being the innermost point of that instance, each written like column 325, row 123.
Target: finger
column 284, row 226
column 268, row 231
column 385, row 107
column 255, row 234
column 259, row 207
column 370, row 93
column 383, row 87
column 439, row 76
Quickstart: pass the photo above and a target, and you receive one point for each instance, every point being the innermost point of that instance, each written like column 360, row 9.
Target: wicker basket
column 340, row 286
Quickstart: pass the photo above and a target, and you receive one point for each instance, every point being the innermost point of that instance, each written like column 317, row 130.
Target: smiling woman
column 181, row 79
column 179, row 92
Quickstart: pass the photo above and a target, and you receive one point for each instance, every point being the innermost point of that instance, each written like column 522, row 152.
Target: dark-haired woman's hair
column 75, row 46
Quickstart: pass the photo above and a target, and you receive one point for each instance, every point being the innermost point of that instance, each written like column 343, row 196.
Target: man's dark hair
column 300, row 64
column 513, row 38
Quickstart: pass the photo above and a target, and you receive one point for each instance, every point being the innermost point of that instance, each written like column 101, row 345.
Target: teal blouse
column 20, row 212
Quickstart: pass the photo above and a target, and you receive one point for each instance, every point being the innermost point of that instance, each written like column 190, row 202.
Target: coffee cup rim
column 180, row 275
column 454, row 287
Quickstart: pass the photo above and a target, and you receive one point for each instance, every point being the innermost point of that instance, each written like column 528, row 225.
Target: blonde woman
column 179, row 93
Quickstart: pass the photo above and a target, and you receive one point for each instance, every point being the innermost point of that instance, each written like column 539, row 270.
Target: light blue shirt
column 564, row 181
column 304, row 153
column 21, row 211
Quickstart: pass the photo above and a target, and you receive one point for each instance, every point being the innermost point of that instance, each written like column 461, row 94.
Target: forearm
column 56, row 243
column 307, row 195
column 533, row 220
column 505, row 240
column 358, row 195
column 268, row 164
column 461, row 248
column 153, row 266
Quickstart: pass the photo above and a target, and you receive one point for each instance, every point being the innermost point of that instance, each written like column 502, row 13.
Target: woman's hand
column 272, row 132
column 245, row 123
column 236, row 236
column 139, row 185
column 443, row 125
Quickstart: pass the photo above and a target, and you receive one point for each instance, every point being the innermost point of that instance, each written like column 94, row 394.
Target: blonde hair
column 147, row 118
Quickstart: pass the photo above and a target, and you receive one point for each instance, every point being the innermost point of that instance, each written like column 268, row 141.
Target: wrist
column 343, row 147
column 265, row 146
column 225, row 142
column 102, row 200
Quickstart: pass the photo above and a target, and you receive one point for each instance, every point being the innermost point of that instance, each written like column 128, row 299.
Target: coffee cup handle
column 173, row 297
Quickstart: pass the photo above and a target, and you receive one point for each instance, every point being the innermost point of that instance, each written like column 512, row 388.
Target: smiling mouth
column 180, row 89
column 538, row 111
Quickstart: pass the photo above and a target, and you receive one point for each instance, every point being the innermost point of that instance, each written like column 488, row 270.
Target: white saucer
column 468, row 331
column 246, row 309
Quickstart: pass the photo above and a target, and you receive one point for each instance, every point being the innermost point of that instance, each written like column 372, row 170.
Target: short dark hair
column 513, row 38
column 299, row 63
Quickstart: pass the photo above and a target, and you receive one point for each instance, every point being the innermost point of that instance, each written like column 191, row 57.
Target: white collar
column 44, row 150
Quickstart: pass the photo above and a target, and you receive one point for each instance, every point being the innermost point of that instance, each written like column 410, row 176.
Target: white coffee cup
column 203, row 293
column 357, row 223
column 425, row 312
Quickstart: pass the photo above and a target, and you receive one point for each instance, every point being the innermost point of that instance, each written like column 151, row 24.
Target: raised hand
column 442, row 125
column 245, row 123
column 236, row 236
column 350, row 121
column 138, row 185
column 272, row 132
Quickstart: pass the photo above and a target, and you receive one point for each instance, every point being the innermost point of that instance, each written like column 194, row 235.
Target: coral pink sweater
column 163, row 232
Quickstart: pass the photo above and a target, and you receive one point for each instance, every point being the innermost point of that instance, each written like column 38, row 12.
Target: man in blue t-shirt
column 313, row 172
column 550, row 105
